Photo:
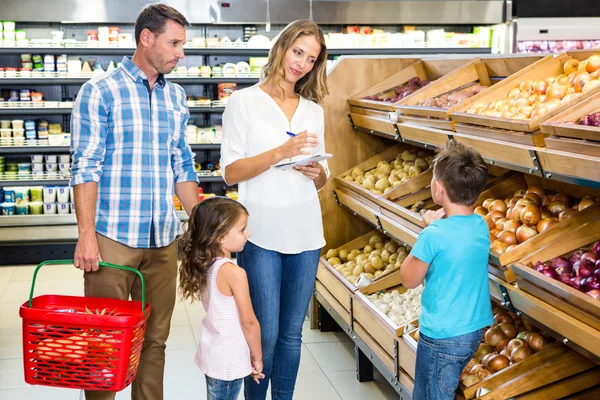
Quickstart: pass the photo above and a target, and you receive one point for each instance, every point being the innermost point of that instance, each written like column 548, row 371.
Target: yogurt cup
column 5, row 124
column 64, row 158
column 62, row 194
column 37, row 158
column 5, row 132
column 49, row 194
column 36, row 193
column 9, row 194
column 21, row 195
column 72, row 208
column 18, row 132
column 17, row 123
column 8, row 208
column 22, row 209
column 24, row 167
column 50, row 208
column 63, row 208
column 37, row 167
column 36, row 208
column 51, row 167
column 71, row 193
column 51, row 159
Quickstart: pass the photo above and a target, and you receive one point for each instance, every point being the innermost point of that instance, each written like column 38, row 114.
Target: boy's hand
column 431, row 216
column 256, row 374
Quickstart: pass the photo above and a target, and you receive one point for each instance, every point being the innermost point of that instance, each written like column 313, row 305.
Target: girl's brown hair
column 210, row 221
column 313, row 86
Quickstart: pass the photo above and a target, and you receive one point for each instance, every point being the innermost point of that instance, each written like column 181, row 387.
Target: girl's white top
column 284, row 208
column 223, row 352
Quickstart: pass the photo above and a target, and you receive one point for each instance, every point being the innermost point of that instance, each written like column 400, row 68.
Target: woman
column 273, row 121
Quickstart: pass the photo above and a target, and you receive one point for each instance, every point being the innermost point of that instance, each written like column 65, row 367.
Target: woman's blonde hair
column 313, row 86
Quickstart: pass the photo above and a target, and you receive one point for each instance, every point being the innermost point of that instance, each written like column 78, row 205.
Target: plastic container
column 36, row 208
column 51, row 167
column 18, row 133
column 51, row 158
column 21, row 195
column 9, row 194
column 64, row 158
column 6, row 132
column 18, row 123
column 113, row 34
column 49, row 208
column 72, row 208
column 63, row 208
column 37, row 97
column 24, row 167
column 62, row 194
column 20, row 35
column 36, row 193
column 37, row 167
column 5, row 124
column 9, row 26
column 49, row 194
column 64, row 167
column 37, row 158
column 22, row 209
column 8, row 208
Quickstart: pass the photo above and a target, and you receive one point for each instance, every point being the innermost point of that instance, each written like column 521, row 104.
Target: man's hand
column 431, row 216
column 87, row 253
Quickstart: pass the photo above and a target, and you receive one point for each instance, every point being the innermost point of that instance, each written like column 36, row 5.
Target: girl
column 262, row 125
column 230, row 347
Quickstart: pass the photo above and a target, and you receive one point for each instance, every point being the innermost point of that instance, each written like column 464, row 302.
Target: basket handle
column 101, row 263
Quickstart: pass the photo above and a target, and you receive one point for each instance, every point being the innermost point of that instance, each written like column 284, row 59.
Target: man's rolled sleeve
column 89, row 127
column 182, row 157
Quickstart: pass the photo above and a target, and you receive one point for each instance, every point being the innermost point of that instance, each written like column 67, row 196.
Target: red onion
column 550, row 273
column 568, row 269
column 575, row 256
column 597, row 273
column 414, row 81
column 595, row 293
column 577, row 283
column 560, row 262
column 583, row 268
column 598, row 264
column 565, row 277
column 596, row 247
column 591, row 283
column 590, row 256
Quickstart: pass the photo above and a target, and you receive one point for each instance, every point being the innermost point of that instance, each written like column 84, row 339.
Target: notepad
column 288, row 165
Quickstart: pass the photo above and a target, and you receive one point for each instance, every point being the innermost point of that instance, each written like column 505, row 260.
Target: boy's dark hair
column 154, row 18
column 462, row 171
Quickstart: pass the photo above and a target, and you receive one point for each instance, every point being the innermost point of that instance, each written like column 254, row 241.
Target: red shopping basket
column 82, row 342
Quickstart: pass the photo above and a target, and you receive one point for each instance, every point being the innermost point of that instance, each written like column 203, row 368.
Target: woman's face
column 301, row 57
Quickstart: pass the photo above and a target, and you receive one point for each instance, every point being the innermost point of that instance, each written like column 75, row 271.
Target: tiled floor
column 326, row 367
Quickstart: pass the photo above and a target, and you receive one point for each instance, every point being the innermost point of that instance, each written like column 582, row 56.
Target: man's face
column 167, row 48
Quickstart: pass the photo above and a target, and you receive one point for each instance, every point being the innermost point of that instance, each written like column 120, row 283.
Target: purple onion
column 584, row 268
column 539, row 266
column 568, row 269
column 595, row 293
column 560, row 262
column 597, row 273
column 576, row 283
column 565, row 277
column 550, row 272
column 414, row 81
column 598, row 264
column 575, row 256
column 591, row 283
column 596, row 248
column 593, row 257
column 424, row 82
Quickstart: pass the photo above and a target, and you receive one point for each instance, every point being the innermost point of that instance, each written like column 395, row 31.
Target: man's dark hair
column 154, row 18
column 462, row 171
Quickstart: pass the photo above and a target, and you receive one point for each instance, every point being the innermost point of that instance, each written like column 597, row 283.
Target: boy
column 451, row 255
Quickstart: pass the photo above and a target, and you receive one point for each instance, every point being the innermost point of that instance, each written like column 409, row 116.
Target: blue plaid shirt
column 131, row 141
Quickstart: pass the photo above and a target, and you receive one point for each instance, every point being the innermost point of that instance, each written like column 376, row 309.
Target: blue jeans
column 281, row 287
column 440, row 363
column 217, row 389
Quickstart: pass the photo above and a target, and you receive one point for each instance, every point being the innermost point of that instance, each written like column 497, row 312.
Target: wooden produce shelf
column 579, row 169
column 333, row 304
column 567, row 387
column 434, row 137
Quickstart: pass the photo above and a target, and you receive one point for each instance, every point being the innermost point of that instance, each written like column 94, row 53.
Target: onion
column 537, row 342
column 545, row 201
column 594, row 293
column 597, row 271
column 591, row 283
column 496, row 215
column 561, row 197
column 560, row 270
column 511, row 226
column 516, row 213
column 550, row 273
column 540, row 266
column 498, row 247
column 509, row 330
column 500, row 223
column 547, row 214
column 489, row 222
column 493, row 238
column 464, row 375
column 508, row 237
column 567, row 213
column 525, row 202
column 471, row 380
column 498, row 363
column 565, row 277
column 480, row 211
column 585, row 203
column 498, row 205
column 596, row 248
column 482, row 351
column 503, row 317
column 513, row 201
column 560, row 262
column 543, row 224
column 520, row 193
column 536, row 199
column 495, row 232
column 556, row 207
column 505, row 353
column 584, row 268
column 575, row 256
column 520, row 353
column 486, row 203
column 476, row 369
column 513, row 344
column 593, row 257
column 576, row 283
column 503, row 344
column 486, row 359
column 525, row 233
column 530, row 215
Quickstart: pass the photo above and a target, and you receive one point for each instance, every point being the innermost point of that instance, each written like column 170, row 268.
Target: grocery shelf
column 205, row 146
column 37, row 220
column 78, row 81
column 33, row 149
column 243, row 51
column 210, row 179
column 35, row 182
column 35, row 110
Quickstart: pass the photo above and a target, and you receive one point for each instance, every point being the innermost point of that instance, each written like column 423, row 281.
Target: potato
column 378, row 246
column 377, row 274
column 346, row 272
column 369, row 173
column 398, row 164
column 352, row 279
column 368, row 250
column 398, row 264
column 377, row 192
column 343, row 255
column 385, row 255
column 375, row 253
column 393, row 178
column 408, row 165
column 393, row 258
column 397, row 183
column 407, row 155
column 370, row 276
column 381, row 175
column 381, row 163
column 374, row 239
column 361, row 257
column 401, row 174
column 421, row 162
column 357, row 172
column 377, row 262
column 382, row 184
column 369, row 268
column 393, row 248
column 385, row 169
column 349, row 178
column 331, row 253
column 360, row 179
column 351, row 264
column 334, row 261
column 352, row 256
column 414, row 171
column 369, row 184
column 340, row 267
column 358, row 270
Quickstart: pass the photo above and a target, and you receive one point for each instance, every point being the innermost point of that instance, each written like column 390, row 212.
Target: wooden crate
column 576, row 146
column 332, row 301
column 557, row 294
column 500, row 265
column 552, row 364
column 414, row 184
column 567, row 387
column 548, row 66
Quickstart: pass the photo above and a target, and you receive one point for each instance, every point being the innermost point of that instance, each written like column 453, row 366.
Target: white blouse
column 284, row 208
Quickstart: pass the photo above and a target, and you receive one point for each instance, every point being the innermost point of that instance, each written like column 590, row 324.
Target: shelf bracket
column 396, row 360
column 398, row 136
column 351, row 122
column 337, row 199
column 506, row 303
column 537, row 168
column 379, row 226
column 451, row 137
column 351, row 328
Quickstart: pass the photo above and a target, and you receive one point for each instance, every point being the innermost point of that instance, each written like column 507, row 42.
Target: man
column 129, row 158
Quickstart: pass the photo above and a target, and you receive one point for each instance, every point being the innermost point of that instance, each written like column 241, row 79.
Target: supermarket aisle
column 326, row 369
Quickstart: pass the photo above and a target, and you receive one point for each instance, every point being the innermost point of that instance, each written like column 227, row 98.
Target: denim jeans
column 440, row 363
column 217, row 389
column 281, row 287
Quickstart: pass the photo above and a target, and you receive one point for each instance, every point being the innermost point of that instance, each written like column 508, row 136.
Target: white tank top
column 223, row 352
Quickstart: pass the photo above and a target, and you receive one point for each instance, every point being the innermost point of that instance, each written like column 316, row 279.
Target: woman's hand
column 298, row 145
column 312, row 171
